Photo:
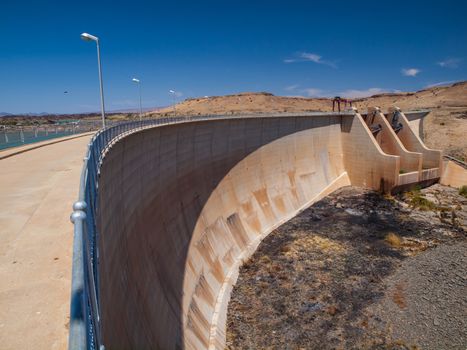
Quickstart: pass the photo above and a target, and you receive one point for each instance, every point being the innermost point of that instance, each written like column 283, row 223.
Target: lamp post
column 89, row 37
column 137, row 81
column 173, row 96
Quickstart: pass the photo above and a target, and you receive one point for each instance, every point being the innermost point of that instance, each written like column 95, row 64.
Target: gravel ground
column 431, row 309
column 358, row 271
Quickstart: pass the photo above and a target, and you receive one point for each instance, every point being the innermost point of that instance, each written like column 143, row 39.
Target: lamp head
column 171, row 91
column 135, row 80
column 89, row 37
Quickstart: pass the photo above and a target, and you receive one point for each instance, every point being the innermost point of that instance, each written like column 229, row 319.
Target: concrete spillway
column 182, row 206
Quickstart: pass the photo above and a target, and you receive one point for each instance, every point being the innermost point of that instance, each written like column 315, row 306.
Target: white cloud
column 352, row 93
column 310, row 57
column 410, row 72
column 176, row 93
column 450, row 63
column 291, row 87
column 312, row 92
column 308, row 92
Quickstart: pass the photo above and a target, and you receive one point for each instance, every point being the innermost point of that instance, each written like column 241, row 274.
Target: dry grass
column 422, row 203
column 418, row 201
column 398, row 296
column 393, row 240
column 463, row 191
column 402, row 343
column 265, row 260
column 410, row 246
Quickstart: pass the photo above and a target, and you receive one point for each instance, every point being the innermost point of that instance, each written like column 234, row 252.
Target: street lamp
column 173, row 95
column 137, row 81
column 89, row 37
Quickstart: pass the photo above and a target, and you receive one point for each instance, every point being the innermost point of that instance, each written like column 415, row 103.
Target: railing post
column 78, row 318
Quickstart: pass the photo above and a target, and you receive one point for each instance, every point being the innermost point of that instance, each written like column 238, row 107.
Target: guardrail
column 18, row 135
column 457, row 161
column 84, row 307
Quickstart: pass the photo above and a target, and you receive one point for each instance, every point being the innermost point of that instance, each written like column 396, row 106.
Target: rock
column 315, row 217
column 353, row 212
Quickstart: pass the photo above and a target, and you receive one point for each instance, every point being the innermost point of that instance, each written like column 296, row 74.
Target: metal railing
column 84, row 308
column 456, row 160
column 13, row 136
column 85, row 326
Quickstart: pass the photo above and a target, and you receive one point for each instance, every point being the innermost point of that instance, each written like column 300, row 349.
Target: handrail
column 85, row 326
column 455, row 160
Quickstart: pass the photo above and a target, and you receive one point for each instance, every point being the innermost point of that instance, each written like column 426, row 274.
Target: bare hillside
column 445, row 127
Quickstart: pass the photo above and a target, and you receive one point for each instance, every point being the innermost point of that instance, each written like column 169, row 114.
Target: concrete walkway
column 37, row 189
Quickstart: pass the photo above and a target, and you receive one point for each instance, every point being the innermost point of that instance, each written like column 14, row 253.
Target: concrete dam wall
column 181, row 206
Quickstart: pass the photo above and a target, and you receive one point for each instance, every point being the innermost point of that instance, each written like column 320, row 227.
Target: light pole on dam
column 137, row 81
column 89, row 37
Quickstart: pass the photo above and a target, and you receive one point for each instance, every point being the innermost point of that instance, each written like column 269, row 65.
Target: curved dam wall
column 181, row 207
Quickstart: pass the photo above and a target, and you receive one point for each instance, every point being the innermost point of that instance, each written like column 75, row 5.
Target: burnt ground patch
column 320, row 280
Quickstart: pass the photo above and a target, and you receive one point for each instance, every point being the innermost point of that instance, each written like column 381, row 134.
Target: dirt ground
column 358, row 270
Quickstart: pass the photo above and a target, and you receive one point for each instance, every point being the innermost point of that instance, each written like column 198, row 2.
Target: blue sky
column 199, row 48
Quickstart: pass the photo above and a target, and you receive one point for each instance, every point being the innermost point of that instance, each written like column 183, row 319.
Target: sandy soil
column 358, row 271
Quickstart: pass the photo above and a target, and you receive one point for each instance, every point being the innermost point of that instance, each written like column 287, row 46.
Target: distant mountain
column 45, row 114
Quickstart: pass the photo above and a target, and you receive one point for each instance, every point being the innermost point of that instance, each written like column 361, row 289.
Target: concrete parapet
column 390, row 143
column 416, row 120
column 413, row 143
column 181, row 206
column 366, row 163
column 453, row 175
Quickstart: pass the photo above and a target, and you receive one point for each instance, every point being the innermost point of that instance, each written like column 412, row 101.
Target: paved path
column 37, row 189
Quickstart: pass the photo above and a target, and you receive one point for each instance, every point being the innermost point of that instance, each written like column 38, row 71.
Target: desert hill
column 445, row 126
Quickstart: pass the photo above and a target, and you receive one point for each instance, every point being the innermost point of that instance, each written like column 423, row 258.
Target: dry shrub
column 393, row 240
column 321, row 243
column 463, row 191
column 265, row 259
column 398, row 296
column 275, row 268
column 418, row 201
column 422, row 203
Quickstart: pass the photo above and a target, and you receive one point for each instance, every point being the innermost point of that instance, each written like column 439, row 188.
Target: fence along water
column 14, row 136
